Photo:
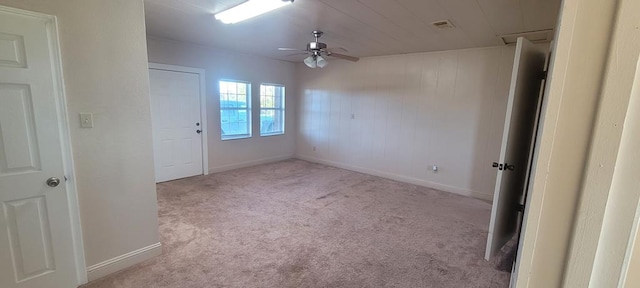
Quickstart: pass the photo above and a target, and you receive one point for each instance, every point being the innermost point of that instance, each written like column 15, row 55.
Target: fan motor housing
column 316, row 46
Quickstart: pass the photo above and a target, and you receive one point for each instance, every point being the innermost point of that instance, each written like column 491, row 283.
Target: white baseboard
column 249, row 163
column 123, row 261
column 401, row 178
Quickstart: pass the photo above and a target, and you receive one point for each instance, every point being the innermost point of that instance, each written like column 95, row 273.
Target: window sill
column 272, row 134
column 238, row 137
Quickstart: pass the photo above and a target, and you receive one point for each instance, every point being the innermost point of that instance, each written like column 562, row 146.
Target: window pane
column 234, row 122
column 272, row 109
column 242, row 100
column 271, row 122
column 279, row 97
column 235, row 110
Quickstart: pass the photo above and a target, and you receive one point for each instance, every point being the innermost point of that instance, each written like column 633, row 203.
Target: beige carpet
column 300, row 224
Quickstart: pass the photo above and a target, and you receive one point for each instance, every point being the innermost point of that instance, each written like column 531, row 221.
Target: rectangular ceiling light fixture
column 249, row 9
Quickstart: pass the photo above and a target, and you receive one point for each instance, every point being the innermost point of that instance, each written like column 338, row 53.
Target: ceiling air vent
column 539, row 36
column 443, row 24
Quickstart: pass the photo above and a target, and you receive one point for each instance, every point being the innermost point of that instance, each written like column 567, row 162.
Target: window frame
column 247, row 109
column 282, row 109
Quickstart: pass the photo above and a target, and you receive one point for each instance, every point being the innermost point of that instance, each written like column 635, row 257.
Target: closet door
column 517, row 143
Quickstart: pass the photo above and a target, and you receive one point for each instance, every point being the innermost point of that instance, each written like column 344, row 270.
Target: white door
column 35, row 229
column 177, row 124
column 519, row 127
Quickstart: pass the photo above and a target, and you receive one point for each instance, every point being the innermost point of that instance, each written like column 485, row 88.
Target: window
column 235, row 109
column 271, row 109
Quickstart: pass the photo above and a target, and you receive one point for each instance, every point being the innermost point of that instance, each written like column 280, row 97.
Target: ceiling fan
column 316, row 50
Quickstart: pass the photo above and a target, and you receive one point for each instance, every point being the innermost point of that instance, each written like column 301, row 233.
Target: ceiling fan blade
column 296, row 54
column 289, row 49
column 337, row 49
column 342, row 56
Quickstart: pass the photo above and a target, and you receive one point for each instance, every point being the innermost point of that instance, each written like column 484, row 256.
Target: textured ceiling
column 363, row 27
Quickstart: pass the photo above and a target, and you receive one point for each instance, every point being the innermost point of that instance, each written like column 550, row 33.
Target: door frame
column 565, row 137
column 203, row 105
column 603, row 231
column 59, row 95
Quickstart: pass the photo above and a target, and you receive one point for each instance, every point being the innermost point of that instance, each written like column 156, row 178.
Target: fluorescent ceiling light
column 249, row 9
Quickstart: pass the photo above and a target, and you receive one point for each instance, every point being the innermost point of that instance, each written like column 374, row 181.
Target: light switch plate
column 86, row 120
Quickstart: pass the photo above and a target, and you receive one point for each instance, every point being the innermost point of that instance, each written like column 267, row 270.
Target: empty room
column 319, row 143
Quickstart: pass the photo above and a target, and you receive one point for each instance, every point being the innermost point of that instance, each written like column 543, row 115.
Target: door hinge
column 520, row 208
column 544, row 75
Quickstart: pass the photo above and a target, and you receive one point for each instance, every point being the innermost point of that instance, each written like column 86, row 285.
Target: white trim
column 249, row 163
column 401, row 178
column 51, row 26
column 203, row 105
column 176, row 68
column 123, row 261
column 624, row 272
column 67, row 154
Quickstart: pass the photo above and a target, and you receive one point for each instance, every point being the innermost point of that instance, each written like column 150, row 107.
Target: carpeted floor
column 300, row 224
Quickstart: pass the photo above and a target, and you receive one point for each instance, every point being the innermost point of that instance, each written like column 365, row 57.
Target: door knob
column 53, row 182
column 198, row 131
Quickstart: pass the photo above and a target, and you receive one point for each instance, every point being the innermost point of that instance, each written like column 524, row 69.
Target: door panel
column 18, row 131
column 30, row 237
column 35, row 227
column 522, row 109
column 175, row 109
column 12, row 53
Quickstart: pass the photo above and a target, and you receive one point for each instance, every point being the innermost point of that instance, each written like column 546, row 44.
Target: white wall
column 223, row 64
column 410, row 112
column 105, row 72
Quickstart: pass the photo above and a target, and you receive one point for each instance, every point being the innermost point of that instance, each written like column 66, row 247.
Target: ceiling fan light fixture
column 321, row 62
column 311, row 61
column 316, row 49
column 249, row 9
